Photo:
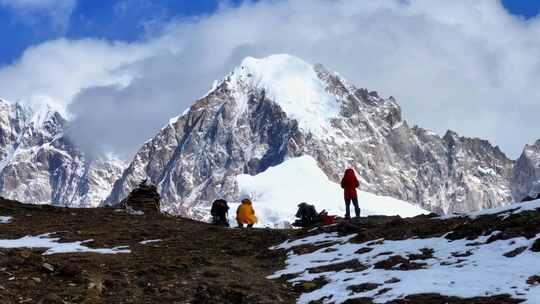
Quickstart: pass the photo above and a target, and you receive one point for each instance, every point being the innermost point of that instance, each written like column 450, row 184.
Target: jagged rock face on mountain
column 279, row 107
column 38, row 164
column 197, row 157
column 526, row 178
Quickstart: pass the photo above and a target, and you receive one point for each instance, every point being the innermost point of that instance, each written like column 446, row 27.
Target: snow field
column 277, row 192
column 461, row 268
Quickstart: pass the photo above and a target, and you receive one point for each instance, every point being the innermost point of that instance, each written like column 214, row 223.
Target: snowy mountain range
column 262, row 116
column 40, row 165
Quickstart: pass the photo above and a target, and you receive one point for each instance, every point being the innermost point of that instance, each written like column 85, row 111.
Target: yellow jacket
column 245, row 213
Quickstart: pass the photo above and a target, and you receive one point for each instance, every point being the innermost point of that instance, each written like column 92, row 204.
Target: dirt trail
column 193, row 263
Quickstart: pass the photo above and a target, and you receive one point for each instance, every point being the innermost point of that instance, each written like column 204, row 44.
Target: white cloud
column 60, row 69
column 57, row 12
column 462, row 65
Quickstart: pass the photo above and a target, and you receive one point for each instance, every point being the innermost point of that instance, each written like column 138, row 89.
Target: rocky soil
column 193, row 263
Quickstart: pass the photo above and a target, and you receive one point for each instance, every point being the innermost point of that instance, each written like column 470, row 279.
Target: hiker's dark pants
column 348, row 207
column 221, row 221
column 240, row 225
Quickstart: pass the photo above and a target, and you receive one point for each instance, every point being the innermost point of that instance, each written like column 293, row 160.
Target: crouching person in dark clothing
column 219, row 212
column 307, row 216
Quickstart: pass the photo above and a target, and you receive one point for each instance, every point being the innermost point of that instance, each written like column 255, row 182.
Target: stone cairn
column 144, row 198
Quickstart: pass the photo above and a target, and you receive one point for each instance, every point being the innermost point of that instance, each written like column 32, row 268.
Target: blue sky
column 523, row 8
column 125, row 20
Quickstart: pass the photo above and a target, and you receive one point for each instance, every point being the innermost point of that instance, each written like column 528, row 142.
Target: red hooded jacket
column 349, row 183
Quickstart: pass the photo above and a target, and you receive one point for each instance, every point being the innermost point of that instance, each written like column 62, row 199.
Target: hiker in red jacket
column 349, row 183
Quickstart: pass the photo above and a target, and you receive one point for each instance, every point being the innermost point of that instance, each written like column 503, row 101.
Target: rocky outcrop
column 40, row 165
column 526, row 177
column 251, row 121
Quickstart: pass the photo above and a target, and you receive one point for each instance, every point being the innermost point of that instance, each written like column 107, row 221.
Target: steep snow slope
column 486, row 254
column 277, row 192
column 270, row 109
column 38, row 164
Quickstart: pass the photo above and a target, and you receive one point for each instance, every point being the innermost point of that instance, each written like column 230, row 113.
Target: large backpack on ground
column 307, row 215
column 219, row 212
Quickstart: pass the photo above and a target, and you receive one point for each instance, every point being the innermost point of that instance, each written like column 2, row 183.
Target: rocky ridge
column 526, row 175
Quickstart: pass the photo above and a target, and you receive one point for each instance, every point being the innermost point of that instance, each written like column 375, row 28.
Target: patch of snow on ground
column 149, row 242
column 130, row 211
column 54, row 247
column 277, row 192
column 5, row 219
column 506, row 210
column 314, row 239
column 484, row 273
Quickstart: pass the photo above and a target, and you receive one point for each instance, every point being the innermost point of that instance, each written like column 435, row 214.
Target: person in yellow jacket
column 245, row 214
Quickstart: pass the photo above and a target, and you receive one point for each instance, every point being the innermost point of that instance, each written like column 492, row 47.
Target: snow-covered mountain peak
column 43, row 109
column 36, row 112
column 38, row 164
column 532, row 149
column 291, row 83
